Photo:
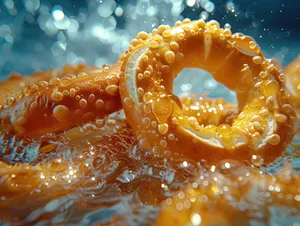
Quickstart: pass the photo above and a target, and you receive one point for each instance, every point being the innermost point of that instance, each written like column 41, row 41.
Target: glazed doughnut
column 45, row 145
column 237, row 197
column 17, row 148
column 264, row 125
column 61, row 103
column 28, row 158
column 16, row 83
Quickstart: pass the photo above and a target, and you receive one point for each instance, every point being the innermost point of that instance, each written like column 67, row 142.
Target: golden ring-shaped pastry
column 77, row 95
column 264, row 125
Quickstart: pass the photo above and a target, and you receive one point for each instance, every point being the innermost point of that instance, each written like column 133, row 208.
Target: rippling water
column 125, row 187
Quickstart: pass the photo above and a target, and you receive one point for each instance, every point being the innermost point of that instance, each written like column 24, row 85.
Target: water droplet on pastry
column 61, row 113
column 112, row 89
column 162, row 109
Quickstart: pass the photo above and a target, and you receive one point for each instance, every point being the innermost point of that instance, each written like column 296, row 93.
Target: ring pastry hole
column 194, row 80
column 203, row 99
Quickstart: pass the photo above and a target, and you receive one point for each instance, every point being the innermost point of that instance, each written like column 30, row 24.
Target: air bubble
column 106, row 8
column 190, row 3
column 227, row 26
column 204, row 15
